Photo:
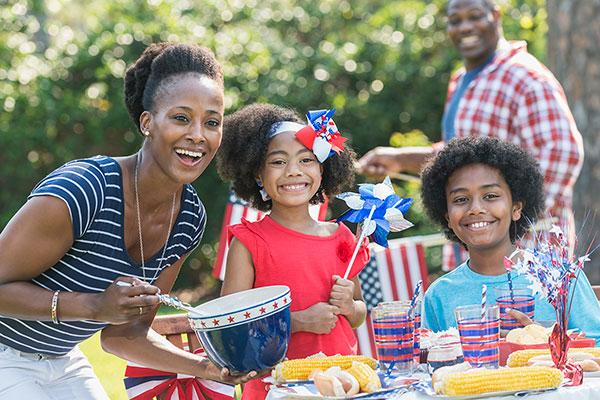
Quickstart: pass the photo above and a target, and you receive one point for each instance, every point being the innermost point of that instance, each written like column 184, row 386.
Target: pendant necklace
column 139, row 221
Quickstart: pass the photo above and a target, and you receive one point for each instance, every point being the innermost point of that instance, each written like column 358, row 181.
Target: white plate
column 306, row 390
column 516, row 393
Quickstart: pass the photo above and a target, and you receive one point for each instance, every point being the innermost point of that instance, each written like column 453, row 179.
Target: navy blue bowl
column 245, row 331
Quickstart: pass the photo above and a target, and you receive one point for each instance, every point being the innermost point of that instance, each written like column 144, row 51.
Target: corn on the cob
column 520, row 358
column 480, row 380
column 365, row 375
column 302, row 367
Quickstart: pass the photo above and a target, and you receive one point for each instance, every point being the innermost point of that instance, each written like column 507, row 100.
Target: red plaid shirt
column 517, row 99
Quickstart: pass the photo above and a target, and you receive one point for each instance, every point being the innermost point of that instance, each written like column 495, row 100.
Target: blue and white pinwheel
column 379, row 208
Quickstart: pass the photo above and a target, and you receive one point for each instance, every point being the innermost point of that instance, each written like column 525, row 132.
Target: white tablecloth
column 589, row 390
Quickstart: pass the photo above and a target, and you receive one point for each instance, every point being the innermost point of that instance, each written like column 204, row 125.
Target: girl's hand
column 124, row 300
column 342, row 295
column 319, row 318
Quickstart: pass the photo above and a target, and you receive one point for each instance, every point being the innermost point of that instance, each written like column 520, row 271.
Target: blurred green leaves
column 384, row 64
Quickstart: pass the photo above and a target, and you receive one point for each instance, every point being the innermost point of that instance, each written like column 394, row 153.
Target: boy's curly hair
column 519, row 169
column 244, row 148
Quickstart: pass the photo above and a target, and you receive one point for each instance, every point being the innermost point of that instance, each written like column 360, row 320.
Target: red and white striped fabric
column 143, row 383
column 237, row 209
column 453, row 254
column 392, row 274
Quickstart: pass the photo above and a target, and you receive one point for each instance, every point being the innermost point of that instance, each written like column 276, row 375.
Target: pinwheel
column 321, row 135
column 379, row 209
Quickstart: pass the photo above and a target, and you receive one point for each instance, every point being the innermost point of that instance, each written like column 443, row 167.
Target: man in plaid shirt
column 505, row 92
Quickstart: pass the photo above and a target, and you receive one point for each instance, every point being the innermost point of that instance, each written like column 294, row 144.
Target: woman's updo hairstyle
column 157, row 65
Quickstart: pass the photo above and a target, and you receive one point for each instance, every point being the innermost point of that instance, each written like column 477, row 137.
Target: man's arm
column 381, row 161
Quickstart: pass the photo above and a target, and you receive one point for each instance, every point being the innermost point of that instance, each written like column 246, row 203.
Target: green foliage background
column 384, row 64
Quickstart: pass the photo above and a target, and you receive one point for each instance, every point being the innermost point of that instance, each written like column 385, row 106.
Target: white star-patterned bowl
column 245, row 331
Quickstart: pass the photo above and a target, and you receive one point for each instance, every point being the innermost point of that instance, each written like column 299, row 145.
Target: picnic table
column 589, row 390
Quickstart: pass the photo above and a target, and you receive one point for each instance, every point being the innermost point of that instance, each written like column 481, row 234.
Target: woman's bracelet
column 54, row 307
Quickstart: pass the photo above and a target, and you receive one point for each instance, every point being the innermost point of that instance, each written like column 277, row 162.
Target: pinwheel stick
column 359, row 241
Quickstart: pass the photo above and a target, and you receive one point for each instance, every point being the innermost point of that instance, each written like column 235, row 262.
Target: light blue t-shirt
column 450, row 113
column 462, row 286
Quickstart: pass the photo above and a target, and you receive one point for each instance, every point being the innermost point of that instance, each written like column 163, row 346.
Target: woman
column 95, row 222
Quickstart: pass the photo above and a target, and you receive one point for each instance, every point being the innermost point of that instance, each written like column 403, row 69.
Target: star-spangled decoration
column 370, row 284
column 321, row 135
column 389, row 210
column 551, row 269
column 268, row 307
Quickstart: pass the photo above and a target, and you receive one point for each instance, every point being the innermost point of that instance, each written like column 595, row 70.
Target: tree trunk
column 574, row 57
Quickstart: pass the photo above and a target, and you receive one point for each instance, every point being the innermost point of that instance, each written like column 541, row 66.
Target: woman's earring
column 146, row 133
column 263, row 193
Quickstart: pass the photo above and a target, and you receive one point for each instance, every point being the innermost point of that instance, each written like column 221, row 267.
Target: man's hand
column 380, row 161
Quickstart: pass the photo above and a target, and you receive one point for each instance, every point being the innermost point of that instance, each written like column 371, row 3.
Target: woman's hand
column 215, row 373
column 342, row 295
column 319, row 318
column 125, row 300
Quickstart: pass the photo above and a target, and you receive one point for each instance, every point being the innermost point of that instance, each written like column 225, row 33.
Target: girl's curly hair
column 244, row 148
column 518, row 168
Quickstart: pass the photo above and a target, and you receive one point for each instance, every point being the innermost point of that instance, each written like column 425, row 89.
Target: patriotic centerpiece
column 553, row 271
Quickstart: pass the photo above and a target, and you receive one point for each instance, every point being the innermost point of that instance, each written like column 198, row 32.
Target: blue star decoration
column 388, row 215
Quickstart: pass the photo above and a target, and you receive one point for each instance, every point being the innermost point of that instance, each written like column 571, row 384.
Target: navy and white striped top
column 93, row 191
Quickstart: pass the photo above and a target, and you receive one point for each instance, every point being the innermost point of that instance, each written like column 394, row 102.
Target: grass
column 109, row 369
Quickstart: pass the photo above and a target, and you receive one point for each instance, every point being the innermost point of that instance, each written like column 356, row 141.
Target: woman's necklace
column 139, row 221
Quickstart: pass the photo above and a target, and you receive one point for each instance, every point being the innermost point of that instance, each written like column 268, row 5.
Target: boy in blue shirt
column 486, row 193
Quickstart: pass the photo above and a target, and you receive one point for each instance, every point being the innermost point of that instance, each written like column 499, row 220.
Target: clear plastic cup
column 520, row 299
column 479, row 336
column 393, row 328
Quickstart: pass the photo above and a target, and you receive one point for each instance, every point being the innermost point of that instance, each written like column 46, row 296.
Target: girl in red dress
column 270, row 167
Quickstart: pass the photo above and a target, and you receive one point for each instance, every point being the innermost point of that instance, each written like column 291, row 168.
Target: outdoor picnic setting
column 318, row 200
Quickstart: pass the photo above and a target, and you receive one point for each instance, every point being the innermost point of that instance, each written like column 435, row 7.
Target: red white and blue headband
column 321, row 135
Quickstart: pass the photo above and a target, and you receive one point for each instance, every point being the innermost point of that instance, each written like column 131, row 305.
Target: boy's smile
column 480, row 207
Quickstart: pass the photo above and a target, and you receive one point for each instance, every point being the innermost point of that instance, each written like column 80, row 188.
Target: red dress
column 306, row 264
